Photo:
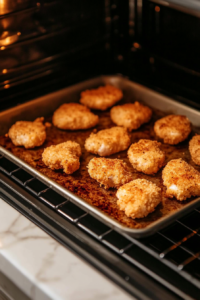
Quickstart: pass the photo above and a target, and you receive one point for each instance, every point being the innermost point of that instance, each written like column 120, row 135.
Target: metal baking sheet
column 79, row 187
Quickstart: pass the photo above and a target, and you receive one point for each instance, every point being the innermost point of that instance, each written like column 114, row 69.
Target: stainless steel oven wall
column 47, row 45
column 47, row 104
column 165, row 45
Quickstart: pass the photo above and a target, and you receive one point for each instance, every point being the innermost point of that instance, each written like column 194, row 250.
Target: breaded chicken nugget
column 101, row 98
column 194, row 148
column 173, row 129
column 63, row 156
column 146, row 156
column 138, row 198
column 28, row 134
column 181, row 179
column 131, row 115
column 109, row 172
column 108, row 141
column 74, row 116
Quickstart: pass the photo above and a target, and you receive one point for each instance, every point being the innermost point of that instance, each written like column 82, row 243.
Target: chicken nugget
column 28, row 134
column 63, row 156
column 112, row 173
column 108, row 141
column 146, row 156
column 194, row 148
column 74, row 116
column 138, row 198
column 101, row 98
column 181, row 179
column 131, row 115
column 173, row 129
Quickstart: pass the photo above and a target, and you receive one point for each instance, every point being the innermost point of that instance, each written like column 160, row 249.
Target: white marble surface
column 44, row 269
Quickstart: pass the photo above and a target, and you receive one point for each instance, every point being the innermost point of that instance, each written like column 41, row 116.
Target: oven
column 49, row 49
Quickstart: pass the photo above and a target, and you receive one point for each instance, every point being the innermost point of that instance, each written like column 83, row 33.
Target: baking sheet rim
column 95, row 211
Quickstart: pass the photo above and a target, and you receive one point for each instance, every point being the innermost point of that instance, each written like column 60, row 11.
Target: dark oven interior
column 48, row 45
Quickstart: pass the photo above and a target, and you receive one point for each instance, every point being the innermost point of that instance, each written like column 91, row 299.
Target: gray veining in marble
column 44, row 269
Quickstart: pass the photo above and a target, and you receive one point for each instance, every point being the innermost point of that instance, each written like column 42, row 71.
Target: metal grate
column 177, row 246
column 57, row 35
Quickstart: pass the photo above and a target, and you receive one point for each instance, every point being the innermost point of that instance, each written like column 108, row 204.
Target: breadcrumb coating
column 194, row 148
column 28, row 134
column 146, row 156
column 181, row 179
column 173, row 129
column 74, row 116
column 131, row 115
column 63, row 156
column 47, row 124
column 108, row 141
column 138, row 198
column 101, row 98
column 112, row 173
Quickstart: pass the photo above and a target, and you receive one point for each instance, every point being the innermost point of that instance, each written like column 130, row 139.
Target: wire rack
column 177, row 246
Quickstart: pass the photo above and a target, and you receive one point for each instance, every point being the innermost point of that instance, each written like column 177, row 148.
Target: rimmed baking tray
column 166, row 213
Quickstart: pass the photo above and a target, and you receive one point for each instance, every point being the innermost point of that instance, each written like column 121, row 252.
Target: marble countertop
column 42, row 268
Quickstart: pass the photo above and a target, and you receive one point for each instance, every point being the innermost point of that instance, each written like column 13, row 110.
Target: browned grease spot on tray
column 87, row 188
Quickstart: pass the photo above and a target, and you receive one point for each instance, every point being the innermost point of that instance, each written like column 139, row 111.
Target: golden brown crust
column 173, row 129
column 146, row 156
column 74, row 116
column 138, row 198
column 181, row 179
column 101, row 98
column 131, row 115
column 28, row 134
column 47, row 124
column 109, row 172
column 63, row 156
column 81, row 184
column 194, row 148
column 108, row 141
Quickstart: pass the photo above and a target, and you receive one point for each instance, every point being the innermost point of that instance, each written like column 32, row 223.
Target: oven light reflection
column 7, row 39
column 6, row 86
column 4, row 71
column 157, row 8
column 136, row 45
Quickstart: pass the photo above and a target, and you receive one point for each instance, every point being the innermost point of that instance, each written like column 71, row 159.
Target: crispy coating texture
column 194, row 148
column 108, row 141
column 63, row 156
column 131, row 115
column 181, row 179
column 146, row 156
column 74, row 116
column 112, row 173
column 138, row 198
column 173, row 129
column 101, row 98
column 28, row 134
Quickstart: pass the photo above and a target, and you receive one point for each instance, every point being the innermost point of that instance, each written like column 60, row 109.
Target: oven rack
column 171, row 256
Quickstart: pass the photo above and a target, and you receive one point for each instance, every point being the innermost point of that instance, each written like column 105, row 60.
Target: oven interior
column 48, row 45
